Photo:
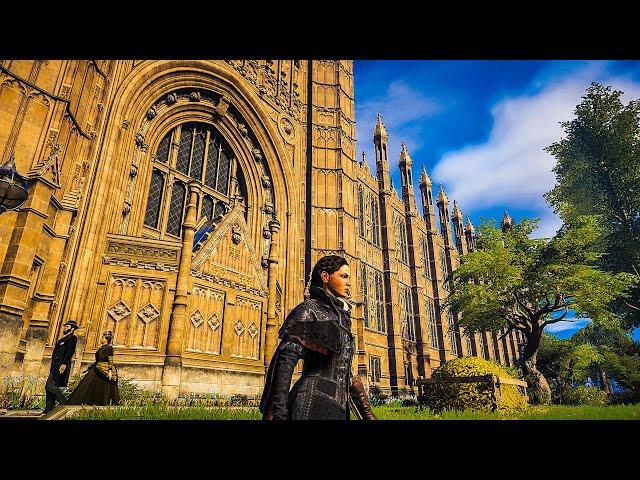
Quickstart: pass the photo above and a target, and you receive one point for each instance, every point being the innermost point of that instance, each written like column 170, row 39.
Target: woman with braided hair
column 318, row 331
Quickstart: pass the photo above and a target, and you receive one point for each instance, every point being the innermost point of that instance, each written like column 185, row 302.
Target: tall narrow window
column 452, row 333
column 467, row 336
column 433, row 328
column 425, row 256
column 162, row 154
column 184, row 151
column 374, row 369
column 212, row 163
column 207, row 207
column 176, row 211
column 154, row 201
column 380, row 313
column 483, row 346
column 197, row 160
column 375, row 219
column 361, row 209
column 222, row 185
column 365, row 294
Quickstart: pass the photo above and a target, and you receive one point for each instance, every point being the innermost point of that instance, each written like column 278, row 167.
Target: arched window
column 197, row 151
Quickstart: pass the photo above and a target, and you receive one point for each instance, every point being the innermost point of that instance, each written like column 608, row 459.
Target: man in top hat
column 60, row 365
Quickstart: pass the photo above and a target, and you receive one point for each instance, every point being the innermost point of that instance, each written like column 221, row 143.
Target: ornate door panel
column 246, row 318
column 206, row 311
column 133, row 311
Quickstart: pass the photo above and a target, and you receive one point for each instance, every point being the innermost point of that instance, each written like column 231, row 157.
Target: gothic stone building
column 181, row 204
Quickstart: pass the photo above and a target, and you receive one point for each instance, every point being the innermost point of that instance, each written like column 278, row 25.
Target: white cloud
column 512, row 169
column 567, row 325
column 402, row 108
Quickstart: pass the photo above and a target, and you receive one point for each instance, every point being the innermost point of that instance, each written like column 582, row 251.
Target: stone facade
column 181, row 204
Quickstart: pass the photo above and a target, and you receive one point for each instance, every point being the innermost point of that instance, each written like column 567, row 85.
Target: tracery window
column 406, row 312
column 425, row 256
column 375, row 220
column 483, row 346
column 401, row 240
column 467, row 336
column 452, row 332
column 433, row 328
column 373, row 298
column 374, row 369
column 189, row 151
column 444, row 269
column 361, row 209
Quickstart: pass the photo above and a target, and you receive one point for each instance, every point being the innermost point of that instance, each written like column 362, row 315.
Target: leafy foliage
column 598, row 175
column 517, row 282
column 587, row 396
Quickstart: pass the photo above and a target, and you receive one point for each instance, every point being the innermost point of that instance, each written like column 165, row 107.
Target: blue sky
column 480, row 127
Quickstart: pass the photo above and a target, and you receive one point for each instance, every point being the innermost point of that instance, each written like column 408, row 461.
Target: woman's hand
column 110, row 375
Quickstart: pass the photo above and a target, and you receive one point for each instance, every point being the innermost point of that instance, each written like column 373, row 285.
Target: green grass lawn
column 383, row 412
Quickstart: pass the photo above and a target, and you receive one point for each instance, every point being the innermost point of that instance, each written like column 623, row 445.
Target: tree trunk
column 539, row 391
column 606, row 386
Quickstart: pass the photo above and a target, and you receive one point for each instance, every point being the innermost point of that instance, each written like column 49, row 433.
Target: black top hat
column 72, row 323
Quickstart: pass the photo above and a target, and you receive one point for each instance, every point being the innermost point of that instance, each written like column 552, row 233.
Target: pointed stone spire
column 442, row 197
column 469, row 226
column 380, row 131
column 456, row 211
column 364, row 158
column 424, row 177
column 507, row 221
column 404, row 155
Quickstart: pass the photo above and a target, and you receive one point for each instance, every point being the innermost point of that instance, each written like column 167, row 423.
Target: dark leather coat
column 318, row 331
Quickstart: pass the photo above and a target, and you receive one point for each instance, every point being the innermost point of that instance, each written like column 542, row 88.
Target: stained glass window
column 162, row 154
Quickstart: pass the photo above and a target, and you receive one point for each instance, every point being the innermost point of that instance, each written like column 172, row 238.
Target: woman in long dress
column 100, row 385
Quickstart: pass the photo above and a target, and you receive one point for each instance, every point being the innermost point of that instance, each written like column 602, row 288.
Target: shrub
column 586, row 396
column 377, row 396
column 471, row 396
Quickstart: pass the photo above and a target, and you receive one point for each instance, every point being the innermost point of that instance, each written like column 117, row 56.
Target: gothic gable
column 227, row 253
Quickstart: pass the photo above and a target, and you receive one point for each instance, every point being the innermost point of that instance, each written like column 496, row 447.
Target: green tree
column 619, row 355
column 525, row 284
column 598, row 173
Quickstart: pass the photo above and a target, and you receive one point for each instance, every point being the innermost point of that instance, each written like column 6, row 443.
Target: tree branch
column 556, row 320
column 631, row 306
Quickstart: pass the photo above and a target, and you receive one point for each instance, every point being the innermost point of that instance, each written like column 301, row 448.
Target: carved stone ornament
column 236, row 236
column 266, row 183
column 151, row 113
column 139, row 138
column 195, row 96
column 148, row 313
column 214, row 322
column 172, row 98
column 268, row 209
column 222, row 106
column 196, row 318
column 257, row 154
column 239, row 327
column 126, row 209
column 243, row 129
column 266, row 234
column 134, row 170
column 119, row 311
column 253, row 330
column 264, row 263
